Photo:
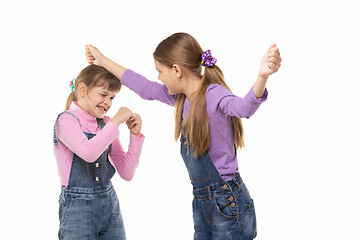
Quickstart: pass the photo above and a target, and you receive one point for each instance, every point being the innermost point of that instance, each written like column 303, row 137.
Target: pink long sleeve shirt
column 73, row 140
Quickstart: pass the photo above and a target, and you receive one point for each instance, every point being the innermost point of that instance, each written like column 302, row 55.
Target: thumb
column 90, row 47
column 271, row 46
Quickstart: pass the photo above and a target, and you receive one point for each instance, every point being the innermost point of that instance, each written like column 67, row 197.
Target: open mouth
column 103, row 109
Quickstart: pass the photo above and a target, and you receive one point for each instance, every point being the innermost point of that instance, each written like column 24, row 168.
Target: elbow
column 88, row 156
column 127, row 177
column 249, row 115
column 88, row 152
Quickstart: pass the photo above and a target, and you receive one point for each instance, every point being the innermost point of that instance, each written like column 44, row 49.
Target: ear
column 81, row 89
column 177, row 70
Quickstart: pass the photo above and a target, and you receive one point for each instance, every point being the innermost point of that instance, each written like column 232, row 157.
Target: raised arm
column 270, row 64
column 94, row 56
column 220, row 99
column 146, row 89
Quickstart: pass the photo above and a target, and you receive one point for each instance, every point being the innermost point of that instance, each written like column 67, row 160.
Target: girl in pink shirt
column 88, row 150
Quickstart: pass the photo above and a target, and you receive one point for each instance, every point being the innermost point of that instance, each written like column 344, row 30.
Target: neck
column 81, row 105
column 192, row 85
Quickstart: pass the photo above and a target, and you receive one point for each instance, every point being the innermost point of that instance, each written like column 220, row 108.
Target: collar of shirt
column 88, row 122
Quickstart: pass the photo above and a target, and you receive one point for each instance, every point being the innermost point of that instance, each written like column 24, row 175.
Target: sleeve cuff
column 261, row 99
column 142, row 137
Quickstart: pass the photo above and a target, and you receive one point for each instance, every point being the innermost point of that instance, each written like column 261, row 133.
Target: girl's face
column 97, row 101
column 169, row 77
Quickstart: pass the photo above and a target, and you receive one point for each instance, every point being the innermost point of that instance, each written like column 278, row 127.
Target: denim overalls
column 221, row 209
column 89, row 207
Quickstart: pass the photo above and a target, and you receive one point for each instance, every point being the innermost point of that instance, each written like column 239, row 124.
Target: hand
column 93, row 55
column 122, row 115
column 134, row 124
column 271, row 61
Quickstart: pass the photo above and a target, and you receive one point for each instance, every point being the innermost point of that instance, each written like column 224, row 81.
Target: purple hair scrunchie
column 207, row 59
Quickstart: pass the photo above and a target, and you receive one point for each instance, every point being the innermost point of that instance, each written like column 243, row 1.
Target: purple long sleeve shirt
column 220, row 106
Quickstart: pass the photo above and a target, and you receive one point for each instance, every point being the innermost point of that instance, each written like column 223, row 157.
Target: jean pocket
column 251, row 216
column 225, row 207
column 65, row 206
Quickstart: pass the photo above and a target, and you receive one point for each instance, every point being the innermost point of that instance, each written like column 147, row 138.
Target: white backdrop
column 300, row 160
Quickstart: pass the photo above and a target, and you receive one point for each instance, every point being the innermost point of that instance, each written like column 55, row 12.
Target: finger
column 137, row 122
column 130, row 120
column 136, row 115
column 271, row 65
column 131, row 125
column 273, row 53
column 274, row 60
column 271, row 46
column 274, row 50
column 91, row 47
column 89, row 56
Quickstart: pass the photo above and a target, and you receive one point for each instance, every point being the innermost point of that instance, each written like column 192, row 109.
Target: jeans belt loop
column 210, row 193
column 238, row 185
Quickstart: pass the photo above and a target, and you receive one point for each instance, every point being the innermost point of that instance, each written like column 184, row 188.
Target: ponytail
column 196, row 124
column 184, row 50
column 215, row 75
column 69, row 100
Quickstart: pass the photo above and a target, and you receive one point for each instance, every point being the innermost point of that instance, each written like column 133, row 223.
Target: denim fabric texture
column 221, row 209
column 88, row 207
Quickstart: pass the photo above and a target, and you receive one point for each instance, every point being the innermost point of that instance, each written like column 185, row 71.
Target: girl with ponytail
column 208, row 123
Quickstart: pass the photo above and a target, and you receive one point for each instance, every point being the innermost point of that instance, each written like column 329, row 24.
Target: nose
column 108, row 101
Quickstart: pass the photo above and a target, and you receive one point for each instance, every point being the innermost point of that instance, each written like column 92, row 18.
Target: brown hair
column 94, row 76
column 182, row 49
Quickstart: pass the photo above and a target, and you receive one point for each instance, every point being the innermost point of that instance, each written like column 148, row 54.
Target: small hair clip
column 72, row 84
column 207, row 59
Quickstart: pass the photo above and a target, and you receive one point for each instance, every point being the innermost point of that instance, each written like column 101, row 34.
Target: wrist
column 115, row 121
column 263, row 77
column 136, row 134
column 103, row 61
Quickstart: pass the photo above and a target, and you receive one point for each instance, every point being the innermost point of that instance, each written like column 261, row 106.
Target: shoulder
column 216, row 88
column 215, row 93
column 68, row 117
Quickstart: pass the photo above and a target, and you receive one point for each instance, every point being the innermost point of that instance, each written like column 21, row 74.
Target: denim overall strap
column 101, row 122
column 56, row 140
column 202, row 171
column 85, row 176
column 221, row 209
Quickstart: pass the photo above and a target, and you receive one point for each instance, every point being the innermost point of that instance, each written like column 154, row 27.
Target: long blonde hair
column 182, row 49
column 94, row 76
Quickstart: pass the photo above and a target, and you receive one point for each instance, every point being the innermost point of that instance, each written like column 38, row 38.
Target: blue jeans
column 221, row 209
column 224, row 213
column 88, row 207
column 90, row 216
